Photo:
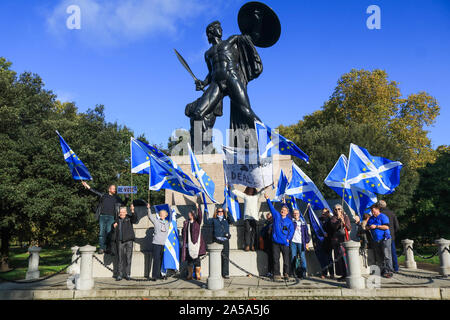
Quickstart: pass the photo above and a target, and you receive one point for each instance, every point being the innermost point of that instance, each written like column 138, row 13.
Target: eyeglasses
column 338, row 209
column 219, row 210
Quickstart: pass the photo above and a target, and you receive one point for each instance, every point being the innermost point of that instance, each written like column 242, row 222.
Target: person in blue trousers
column 299, row 243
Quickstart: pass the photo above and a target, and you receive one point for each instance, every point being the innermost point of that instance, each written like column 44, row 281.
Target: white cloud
column 116, row 22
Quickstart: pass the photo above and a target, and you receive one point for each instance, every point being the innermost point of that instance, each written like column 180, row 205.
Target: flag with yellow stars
column 205, row 181
column 76, row 166
column 303, row 188
column 271, row 142
column 359, row 200
column 371, row 173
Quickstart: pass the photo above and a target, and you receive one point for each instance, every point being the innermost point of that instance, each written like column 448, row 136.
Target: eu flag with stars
column 164, row 175
column 281, row 186
column 375, row 174
column 270, row 142
column 357, row 199
column 76, row 166
column 302, row 187
column 140, row 157
column 206, row 183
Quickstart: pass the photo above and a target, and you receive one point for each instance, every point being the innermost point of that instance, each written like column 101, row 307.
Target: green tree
column 429, row 216
column 39, row 199
column 369, row 97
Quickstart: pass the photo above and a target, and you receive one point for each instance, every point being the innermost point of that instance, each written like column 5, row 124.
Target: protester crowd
column 284, row 233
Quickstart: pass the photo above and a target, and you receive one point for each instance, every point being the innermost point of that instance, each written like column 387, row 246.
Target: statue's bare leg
column 208, row 101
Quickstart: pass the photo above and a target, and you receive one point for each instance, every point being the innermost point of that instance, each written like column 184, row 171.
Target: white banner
column 126, row 189
column 243, row 166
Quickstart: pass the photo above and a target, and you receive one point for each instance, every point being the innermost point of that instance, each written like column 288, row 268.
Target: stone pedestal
column 33, row 263
column 215, row 280
column 410, row 263
column 75, row 267
column 444, row 256
column 86, row 279
column 353, row 279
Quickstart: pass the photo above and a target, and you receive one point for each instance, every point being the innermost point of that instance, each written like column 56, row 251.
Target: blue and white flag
column 232, row 204
column 270, row 142
column 281, row 187
column 375, row 174
column 76, row 166
column 167, row 175
column 357, row 199
column 171, row 255
column 315, row 224
column 302, row 187
column 140, row 157
column 291, row 202
column 206, row 183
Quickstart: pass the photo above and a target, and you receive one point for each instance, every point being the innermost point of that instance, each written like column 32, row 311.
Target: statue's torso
column 223, row 59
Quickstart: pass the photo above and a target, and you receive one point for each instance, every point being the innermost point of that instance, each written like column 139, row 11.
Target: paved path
column 420, row 284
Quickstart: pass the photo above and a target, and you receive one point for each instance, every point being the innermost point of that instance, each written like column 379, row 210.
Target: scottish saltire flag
column 270, row 142
column 281, row 187
column 140, row 157
column 165, row 176
column 315, row 224
column 171, row 255
column 375, row 174
column 76, row 166
column 231, row 203
column 206, row 183
column 302, row 187
column 357, row 199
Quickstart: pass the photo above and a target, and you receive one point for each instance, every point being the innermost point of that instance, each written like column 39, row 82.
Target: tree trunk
column 4, row 249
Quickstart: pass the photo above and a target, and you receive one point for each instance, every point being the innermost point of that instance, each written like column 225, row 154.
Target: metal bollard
column 33, row 263
column 410, row 263
column 215, row 280
column 74, row 268
column 444, row 256
column 86, row 279
column 354, row 279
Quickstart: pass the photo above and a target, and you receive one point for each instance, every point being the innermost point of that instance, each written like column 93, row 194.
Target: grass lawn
column 51, row 260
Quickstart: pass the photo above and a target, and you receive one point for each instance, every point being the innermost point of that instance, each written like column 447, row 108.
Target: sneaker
column 128, row 278
column 247, row 248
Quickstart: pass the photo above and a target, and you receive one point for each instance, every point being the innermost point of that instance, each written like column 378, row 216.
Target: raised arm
column 88, row 187
column 150, row 215
column 275, row 213
column 133, row 217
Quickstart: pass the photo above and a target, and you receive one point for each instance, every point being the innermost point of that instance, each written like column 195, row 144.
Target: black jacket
column 393, row 222
column 127, row 228
column 118, row 203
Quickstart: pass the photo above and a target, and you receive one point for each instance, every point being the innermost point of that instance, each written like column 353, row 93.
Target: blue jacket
column 283, row 229
column 220, row 228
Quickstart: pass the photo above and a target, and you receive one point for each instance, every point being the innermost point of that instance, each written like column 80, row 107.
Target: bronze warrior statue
column 232, row 63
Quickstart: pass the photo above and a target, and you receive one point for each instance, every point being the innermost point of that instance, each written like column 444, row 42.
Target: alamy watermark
column 374, row 20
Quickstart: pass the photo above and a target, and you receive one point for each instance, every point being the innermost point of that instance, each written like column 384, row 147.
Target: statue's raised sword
column 186, row 66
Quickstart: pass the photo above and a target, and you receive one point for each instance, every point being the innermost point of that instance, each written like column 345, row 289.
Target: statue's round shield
column 259, row 22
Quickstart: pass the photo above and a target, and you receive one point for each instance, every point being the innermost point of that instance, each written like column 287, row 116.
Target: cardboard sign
column 126, row 189
column 244, row 167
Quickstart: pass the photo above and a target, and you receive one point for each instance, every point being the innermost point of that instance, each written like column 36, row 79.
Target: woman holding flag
column 340, row 226
column 193, row 243
column 160, row 234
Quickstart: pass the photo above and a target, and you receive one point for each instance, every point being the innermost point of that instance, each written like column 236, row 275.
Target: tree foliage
column 367, row 109
column 39, row 199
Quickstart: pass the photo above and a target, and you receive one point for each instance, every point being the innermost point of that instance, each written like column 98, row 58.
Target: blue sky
column 123, row 57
